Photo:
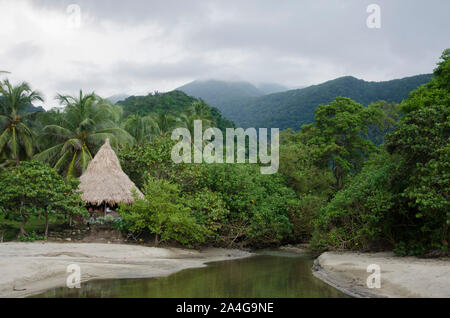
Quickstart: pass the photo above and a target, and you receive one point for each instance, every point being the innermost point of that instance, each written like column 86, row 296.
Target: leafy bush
column 399, row 199
column 164, row 213
column 32, row 237
column 358, row 217
column 423, row 185
column 259, row 205
column 234, row 202
column 313, row 184
column 150, row 158
column 209, row 210
column 32, row 189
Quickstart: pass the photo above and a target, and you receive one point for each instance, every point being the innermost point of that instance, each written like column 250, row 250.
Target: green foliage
column 221, row 122
column 340, row 136
column 358, row 217
column 388, row 115
column 422, row 141
column 16, row 138
column 234, row 202
column 32, row 237
column 33, row 189
column 312, row 183
column 401, row 197
column 327, row 188
column 435, row 92
column 156, row 115
column 209, row 210
column 442, row 72
column 152, row 157
column 164, row 213
column 299, row 163
column 74, row 137
column 173, row 103
column 295, row 108
column 259, row 205
column 141, row 128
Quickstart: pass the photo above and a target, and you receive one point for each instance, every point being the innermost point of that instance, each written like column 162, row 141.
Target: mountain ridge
column 215, row 91
column 294, row 108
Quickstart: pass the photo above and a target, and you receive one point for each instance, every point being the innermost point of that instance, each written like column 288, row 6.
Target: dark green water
column 271, row 275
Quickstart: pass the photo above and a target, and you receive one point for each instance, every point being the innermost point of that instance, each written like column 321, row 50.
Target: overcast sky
column 139, row 46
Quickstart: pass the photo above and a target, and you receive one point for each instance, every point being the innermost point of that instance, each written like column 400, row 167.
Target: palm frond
column 49, row 154
column 71, row 167
column 62, row 161
column 4, row 138
column 58, row 131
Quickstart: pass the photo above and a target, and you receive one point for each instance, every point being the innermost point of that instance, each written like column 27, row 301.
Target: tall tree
column 340, row 132
column 86, row 122
column 16, row 138
column 198, row 111
column 142, row 128
column 164, row 123
column 433, row 93
column 32, row 189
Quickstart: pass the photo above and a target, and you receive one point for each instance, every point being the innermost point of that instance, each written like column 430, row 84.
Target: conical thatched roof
column 105, row 182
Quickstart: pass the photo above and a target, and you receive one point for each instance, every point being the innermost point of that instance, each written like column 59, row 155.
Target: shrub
column 423, row 184
column 210, row 211
column 33, row 188
column 164, row 213
column 233, row 202
column 32, row 237
column 358, row 217
column 259, row 205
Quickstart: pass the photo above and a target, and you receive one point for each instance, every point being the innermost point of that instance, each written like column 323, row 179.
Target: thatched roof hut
column 105, row 182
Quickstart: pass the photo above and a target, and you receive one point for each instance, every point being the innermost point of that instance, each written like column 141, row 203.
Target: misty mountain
column 294, row 108
column 218, row 93
column 271, row 88
column 34, row 109
column 117, row 98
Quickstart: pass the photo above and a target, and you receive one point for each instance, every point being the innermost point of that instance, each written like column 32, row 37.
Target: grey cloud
column 270, row 36
column 22, row 51
column 193, row 66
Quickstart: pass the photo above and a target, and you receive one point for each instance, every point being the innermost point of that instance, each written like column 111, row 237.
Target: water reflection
column 267, row 275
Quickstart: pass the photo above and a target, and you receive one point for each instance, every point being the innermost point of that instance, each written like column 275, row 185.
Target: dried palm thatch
column 105, row 182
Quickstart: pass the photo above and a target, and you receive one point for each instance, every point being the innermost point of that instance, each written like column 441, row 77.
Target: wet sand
column 400, row 276
column 31, row 268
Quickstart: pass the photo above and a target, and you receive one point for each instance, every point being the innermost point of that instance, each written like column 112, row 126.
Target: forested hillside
column 294, row 108
column 221, row 93
column 336, row 187
column 172, row 103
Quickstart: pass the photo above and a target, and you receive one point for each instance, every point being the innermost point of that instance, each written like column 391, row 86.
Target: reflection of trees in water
column 259, row 276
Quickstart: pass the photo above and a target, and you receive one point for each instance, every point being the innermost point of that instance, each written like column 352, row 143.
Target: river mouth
column 268, row 274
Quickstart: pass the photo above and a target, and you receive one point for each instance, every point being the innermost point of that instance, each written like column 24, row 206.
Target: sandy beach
column 30, row 268
column 400, row 276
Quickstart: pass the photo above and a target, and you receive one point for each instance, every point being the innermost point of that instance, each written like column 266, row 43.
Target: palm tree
column 165, row 123
column 141, row 128
column 86, row 122
column 201, row 110
column 198, row 111
column 16, row 138
column 3, row 72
